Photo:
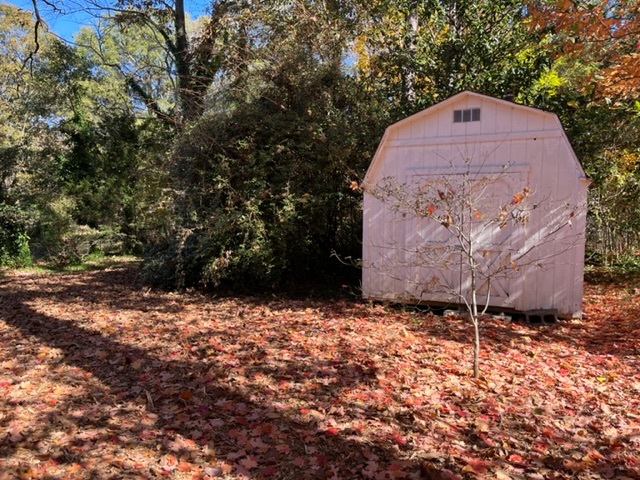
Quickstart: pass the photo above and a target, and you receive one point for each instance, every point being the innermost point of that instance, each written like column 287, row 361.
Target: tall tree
column 593, row 81
column 264, row 175
column 422, row 52
column 188, row 61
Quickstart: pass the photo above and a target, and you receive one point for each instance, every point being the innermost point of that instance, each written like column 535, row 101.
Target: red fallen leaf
column 573, row 465
column 259, row 445
column 548, row 432
column 186, row 394
column 397, row 469
column 396, row 474
column 475, row 465
column 593, row 456
column 515, row 458
column 269, row 471
column 540, row 446
column 283, row 448
column 236, row 455
column 413, row 401
column 332, row 432
column 184, row 466
column 487, row 440
column 398, row 439
column 217, row 422
column 299, row 461
column 371, row 469
column 249, row 463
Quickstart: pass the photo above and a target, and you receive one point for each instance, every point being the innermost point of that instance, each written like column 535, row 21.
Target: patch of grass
column 94, row 261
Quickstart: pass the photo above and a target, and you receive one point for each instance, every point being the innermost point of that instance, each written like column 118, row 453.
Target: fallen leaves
column 100, row 378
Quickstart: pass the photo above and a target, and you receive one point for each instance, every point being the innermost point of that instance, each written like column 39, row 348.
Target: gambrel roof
column 545, row 124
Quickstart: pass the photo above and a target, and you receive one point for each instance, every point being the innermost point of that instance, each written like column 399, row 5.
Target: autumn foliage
column 102, row 379
column 604, row 32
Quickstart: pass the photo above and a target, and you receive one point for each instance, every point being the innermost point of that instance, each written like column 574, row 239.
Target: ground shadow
column 192, row 398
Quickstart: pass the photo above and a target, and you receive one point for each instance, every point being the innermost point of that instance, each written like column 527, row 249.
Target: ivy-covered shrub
column 15, row 224
column 265, row 190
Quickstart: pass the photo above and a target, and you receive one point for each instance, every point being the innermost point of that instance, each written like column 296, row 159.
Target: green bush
column 15, row 223
column 264, row 189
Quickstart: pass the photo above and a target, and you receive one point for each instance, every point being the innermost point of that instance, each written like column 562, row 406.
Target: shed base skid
column 534, row 317
column 543, row 317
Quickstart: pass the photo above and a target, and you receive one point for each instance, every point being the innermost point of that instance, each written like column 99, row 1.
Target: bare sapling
column 468, row 229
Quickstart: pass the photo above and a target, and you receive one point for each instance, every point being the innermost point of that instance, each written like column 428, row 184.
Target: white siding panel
column 432, row 126
column 488, row 116
column 535, row 121
column 417, row 128
column 518, row 120
column 504, row 120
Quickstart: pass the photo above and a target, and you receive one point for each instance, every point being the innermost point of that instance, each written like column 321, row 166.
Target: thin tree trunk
column 476, row 348
column 409, row 90
column 474, row 309
column 186, row 91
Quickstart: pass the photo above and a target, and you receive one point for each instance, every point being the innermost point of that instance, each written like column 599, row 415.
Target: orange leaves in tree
column 603, row 33
column 517, row 198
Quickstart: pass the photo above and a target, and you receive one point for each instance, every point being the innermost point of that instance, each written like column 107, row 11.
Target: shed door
column 439, row 267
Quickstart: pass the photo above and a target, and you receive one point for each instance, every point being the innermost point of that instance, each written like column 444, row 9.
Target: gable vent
column 467, row 115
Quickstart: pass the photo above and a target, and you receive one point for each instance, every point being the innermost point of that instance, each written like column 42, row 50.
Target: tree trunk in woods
column 409, row 90
column 187, row 92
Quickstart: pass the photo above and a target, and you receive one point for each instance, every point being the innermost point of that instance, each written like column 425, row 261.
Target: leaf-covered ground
column 102, row 378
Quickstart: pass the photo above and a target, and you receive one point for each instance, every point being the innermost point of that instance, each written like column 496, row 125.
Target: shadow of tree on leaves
column 186, row 414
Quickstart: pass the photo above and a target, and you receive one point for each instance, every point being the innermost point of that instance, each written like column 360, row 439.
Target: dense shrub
column 15, row 224
column 265, row 189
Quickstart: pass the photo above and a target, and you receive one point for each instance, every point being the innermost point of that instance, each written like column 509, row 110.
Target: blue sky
column 73, row 16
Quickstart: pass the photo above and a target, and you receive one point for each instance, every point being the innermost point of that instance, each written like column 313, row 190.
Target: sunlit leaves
column 601, row 33
column 422, row 52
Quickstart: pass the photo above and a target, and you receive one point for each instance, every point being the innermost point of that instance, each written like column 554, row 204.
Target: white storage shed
column 506, row 151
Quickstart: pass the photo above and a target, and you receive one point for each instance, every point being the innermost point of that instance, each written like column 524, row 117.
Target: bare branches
column 469, row 234
column 36, row 31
